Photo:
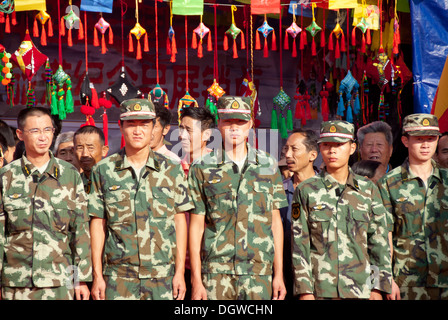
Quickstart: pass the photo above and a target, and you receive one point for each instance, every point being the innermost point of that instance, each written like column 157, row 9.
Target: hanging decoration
column 29, row 60
column 349, row 98
column 201, row 31
column 157, row 94
column 265, row 29
column 123, row 89
column 71, row 21
column 313, row 29
column 293, row 30
column 7, row 10
column 188, row 8
column 171, row 46
column 281, row 102
column 397, row 39
column 104, row 6
column 102, row 26
column 138, row 31
column 89, row 100
column 340, row 40
column 362, row 25
column 6, row 66
column 43, row 17
column 62, row 104
column 233, row 32
column 105, row 104
column 265, row 6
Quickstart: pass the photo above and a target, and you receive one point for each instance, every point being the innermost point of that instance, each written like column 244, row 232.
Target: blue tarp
column 429, row 20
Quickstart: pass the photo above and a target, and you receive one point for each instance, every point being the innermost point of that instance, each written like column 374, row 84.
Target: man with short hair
column 89, row 150
column 236, row 233
column 7, row 132
column 441, row 155
column 161, row 128
column 300, row 151
column 138, row 227
column 339, row 227
column 63, row 148
column 44, row 226
column 415, row 196
column 376, row 143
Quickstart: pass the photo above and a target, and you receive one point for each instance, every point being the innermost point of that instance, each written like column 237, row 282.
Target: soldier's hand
column 375, row 295
column 82, row 291
column 278, row 289
column 99, row 289
column 395, row 294
column 179, row 287
column 198, row 291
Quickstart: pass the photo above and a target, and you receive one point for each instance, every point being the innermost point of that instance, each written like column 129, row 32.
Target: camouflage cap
column 336, row 131
column 231, row 107
column 421, row 124
column 137, row 109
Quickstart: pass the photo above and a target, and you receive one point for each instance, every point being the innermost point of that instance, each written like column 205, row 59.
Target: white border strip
column 421, row 128
column 138, row 113
column 234, row 111
column 338, row 135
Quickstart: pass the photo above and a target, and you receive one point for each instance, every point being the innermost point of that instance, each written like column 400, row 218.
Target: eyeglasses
column 36, row 131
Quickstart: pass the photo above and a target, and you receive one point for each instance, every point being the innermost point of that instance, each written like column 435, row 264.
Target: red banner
column 265, row 6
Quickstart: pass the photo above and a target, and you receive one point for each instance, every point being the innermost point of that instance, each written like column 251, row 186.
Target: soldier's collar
column 351, row 180
column 52, row 169
column 122, row 163
column 252, row 155
column 331, row 182
column 406, row 173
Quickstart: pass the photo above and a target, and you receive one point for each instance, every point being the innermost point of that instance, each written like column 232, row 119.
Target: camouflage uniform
column 44, row 227
column 418, row 220
column 339, row 232
column 140, row 237
column 238, row 246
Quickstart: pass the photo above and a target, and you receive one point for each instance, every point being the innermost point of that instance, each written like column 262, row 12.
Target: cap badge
column 137, row 107
column 425, row 122
column 332, row 129
column 235, row 105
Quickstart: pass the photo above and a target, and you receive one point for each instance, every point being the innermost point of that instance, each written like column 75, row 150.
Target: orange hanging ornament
column 43, row 17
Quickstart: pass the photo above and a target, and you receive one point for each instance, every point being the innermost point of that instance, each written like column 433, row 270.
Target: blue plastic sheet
column 430, row 49
column 97, row 5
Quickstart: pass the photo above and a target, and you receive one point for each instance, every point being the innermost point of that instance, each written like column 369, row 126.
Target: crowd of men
column 224, row 223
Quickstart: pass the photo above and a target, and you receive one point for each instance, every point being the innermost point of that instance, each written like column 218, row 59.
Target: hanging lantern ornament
column 233, row 32
column 313, row 29
column 71, row 21
column 102, row 26
column 171, row 46
column 186, row 101
column 62, row 104
column 43, row 17
column 105, row 104
column 340, row 44
column 362, row 25
column 138, row 31
column 281, row 101
column 158, row 95
column 265, row 30
column 201, row 31
column 7, row 9
column 29, row 60
column 214, row 93
column 293, row 30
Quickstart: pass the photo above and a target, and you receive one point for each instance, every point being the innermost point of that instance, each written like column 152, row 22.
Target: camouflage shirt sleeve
column 280, row 200
column 303, row 277
column 95, row 197
column 386, row 200
column 182, row 198
column 196, row 190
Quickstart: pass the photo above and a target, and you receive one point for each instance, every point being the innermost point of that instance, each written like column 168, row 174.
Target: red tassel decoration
column 13, row 18
column 354, row 37
column 324, row 108
column 343, row 47
column 330, row 42
column 303, row 40
column 43, row 37
column 139, row 50
column 265, row 49
column 322, row 39
column 337, row 51
column 50, row 28
column 286, row 42
column 146, row 43
column 111, row 36
column 194, row 41
column 95, row 101
column 168, row 46
column 363, row 44
column 103, row 44
column 62, row 27
column 209, row 42
column 105, row 128
column 243, row 41
column 69, row 38
column 274, row 41
column 96, row 42
column 313, row 47
column 257, row 41
column 235, row 51
column 7, row 25
column 225, row 43
column 368, row 37
column 173, row 50
column 200, row 53
column 2, row 17
column 294, row 48
column 80, row 31
column 131, row 44
column 35, row 29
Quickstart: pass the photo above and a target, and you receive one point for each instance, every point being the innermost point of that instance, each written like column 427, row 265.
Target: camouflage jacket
column 44, row 225
column 339, row 237
column 418, row 219
column 238, row 211
column 141, row 236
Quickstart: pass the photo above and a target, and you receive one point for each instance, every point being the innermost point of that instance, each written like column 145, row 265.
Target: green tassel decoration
column 289, row 121
column 69, row 104
column 283, row 131
column 61, row 105
column 54, row 101
column 274, row 119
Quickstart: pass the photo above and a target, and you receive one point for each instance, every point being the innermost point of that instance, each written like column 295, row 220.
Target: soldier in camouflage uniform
column 138, row 228
column 415, row 196
column 236, row 233
column 339, row 227
column 44, row 233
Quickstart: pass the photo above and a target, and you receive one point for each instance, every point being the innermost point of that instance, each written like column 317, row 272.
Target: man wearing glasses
column 44, row 224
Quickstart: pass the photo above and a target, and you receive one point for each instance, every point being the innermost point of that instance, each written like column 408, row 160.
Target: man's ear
column 313, row 155
column 352, row 148
column 405, row 141
column 166, row 130
column 104, row 151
